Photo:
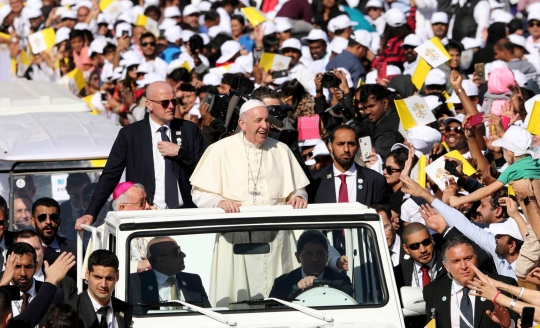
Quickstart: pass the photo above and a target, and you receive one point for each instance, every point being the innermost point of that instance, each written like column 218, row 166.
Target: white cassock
column 223, row 173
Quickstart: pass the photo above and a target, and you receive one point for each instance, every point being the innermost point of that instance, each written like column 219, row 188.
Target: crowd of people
column 317, row 124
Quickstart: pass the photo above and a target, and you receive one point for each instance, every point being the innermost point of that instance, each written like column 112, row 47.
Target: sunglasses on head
column 43, row 216
column 165, row 103
column 391, row 170
column 457, row 129
column 145, row 44
column 426, row 242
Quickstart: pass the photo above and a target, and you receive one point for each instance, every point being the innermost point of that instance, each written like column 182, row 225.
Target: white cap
column 423, row 138
column 533, row 16
column 518, row 40
column 33, row 3
column 250, row 104
column 457, row 119
column 395, row 17
column 173, row 34
column 246, row 62
column 5, row 10
column 435, row 76
column 319, row 150
column 310, row 142
column 515, row 139
column 81, row 26
column 494, row 4
column 269, row 27
column 340, row 22
column 166, row 23
column 282, row 25
column 126, row 5
column 121, row 28
column 228, row 50
column 171, row 12
column 148, row 3
column 118, row 73
column 68, row 14
column 373, row 4
column 338, row 44
column 190, row 10
column 136, row 11
column 347, row 76
column 520, row 78
column 212, row 79
column 131, row 58
column 363, row 37
column 97, row 46
column 400, row 145
column 186, row 34
column 235, row 68
column 470, row 43
column 412, row 40
column 215, row 31
column 149, row 79
column 314, row 35
column 291, row 43
column 126, row 17
column 62, row 34
column 102, row 19
column 433, row 101
column 439, row 18
column 84, row 3
column 468, row 87
column 508, row 228
column 501, row 16
column 145, row 68
column 371, row 77
column 204, row 6
column 31, row 12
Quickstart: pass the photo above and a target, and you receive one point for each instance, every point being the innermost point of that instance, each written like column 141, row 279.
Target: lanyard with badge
column 458, row 308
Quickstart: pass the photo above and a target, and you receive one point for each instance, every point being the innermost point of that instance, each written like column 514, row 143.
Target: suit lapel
column 149, row 287
column 118, row 313
column 442, row 303
column 147, row 151
column 86, row 311
column 479, row 310
column 328, row 185
column 361, row 194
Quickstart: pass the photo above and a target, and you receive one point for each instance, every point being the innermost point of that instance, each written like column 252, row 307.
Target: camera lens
column 329, row 80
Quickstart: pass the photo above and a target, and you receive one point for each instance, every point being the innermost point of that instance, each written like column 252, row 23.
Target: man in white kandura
column 249, row 169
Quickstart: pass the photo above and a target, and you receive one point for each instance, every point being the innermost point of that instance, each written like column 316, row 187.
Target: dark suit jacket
column 66, row 287
column 132, row 151
column 36, row 309
column 286, row 283
column 66, row 245
column 123, row 312
column 438, row 295
column 67, row 225
column 374, row 189
column 144, row 288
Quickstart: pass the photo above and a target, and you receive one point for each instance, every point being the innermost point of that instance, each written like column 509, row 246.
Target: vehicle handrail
column 209, row 313
column 80, row 245
column 304, row 309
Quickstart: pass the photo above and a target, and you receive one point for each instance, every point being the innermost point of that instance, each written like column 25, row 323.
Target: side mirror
column 413, row 301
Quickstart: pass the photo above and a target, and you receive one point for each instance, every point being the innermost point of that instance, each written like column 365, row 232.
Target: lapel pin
column 58, row 250
column 444, row 298
column 360, row 181
column 483, row 299
column 122, row 314
column 178, row 133
column 329, row 176
column 179, row 142
column 294, row 286
column 183, row 283
column 360, row 187
column 150, row 288
column 406, row 256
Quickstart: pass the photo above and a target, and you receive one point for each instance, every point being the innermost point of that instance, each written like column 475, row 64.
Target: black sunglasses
column 43, row 216
column 391, row 170
column 457, row 129
column 165, row 103
column 533, row 23
column 144, row 44
column 176, row 249
column 426, row 242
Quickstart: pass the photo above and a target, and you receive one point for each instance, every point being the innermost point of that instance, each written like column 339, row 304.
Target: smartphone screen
column 125, row 34
column 527, row 316
column 381, row 70
column 475, row 120
column 450, row 167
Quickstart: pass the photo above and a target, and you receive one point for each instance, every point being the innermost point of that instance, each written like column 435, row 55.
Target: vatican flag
column 73, row 81
column 42, row 40
column 274, row 62
column 111, row 8
column 431, row 324
column 414, row 111
column 253, row 15
column 148, row 23
column 532, row 121
column 433, row 52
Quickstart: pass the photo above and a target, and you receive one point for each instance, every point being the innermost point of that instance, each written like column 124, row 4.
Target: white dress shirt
column 16, row 305
column 165, row 288
column 481, row 15
column 455, row 302
column 39, row 276
column 351, row 182
column 395, row 250
column 159, row 167
column 319, row 65
column 110, row 313
column 409, row 68
column 419, row 274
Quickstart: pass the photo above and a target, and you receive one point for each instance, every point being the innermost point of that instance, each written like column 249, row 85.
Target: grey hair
column 456, row 241
column 123, row 198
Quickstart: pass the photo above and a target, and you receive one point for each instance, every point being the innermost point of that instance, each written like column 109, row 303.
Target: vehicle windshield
column 240, row 270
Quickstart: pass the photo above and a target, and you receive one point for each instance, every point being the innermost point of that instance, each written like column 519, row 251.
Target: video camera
column 226, row 111
column 330, row 80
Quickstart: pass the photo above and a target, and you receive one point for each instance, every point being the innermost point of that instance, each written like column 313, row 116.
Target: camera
column 330, row 80
column 279, row 111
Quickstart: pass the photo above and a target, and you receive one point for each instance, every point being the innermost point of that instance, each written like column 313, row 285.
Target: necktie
column 426, row 279
column 343, row 195
column 103, row 320
column 174, row 292
column 1, row 258
column 466, row 309
column 171, row 186
column 24, row 303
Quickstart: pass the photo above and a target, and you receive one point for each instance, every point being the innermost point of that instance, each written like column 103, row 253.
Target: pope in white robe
column 249, row 169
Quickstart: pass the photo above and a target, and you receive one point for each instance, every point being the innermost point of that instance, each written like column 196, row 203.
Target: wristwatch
column 528, row 199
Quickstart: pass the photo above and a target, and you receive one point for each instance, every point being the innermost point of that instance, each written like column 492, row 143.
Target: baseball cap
column 68, row 14
column 32, row 12
column 395, row 17
column 171, row 12
column 97, row 46
column 470, row 43
column 314, row 35
column 515, row 139
column 439, row 18
column 423, row 138
column 432, row 101
column 373, row 4
column 212, row 79
column 363, row 37
column 173, row 34
column 400, row 145
column 521, row 79
column 190, row 10
column 228, row 50
column 468, row 87
column 166, row 23
column 518, row 40
column 148, row 79
column 319, row 150
column 338, row 44
column 269, row 27
column 310, row 142
column 62, row 34
column 435, row 77
column 126, row 17
column 412, row 40
column 508, row 228
column 533, row 16
column 291, row 43
column 340, row 22
column 282, row 25
column 81, row 26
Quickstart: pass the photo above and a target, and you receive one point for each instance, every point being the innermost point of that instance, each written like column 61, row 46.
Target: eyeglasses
column 140, row 204
column 176, row 249
column 43, row 216
column 457, row 129
column 426, row 242
column 146, row 44
column 391, row 170
column 533, row 24
column 408, row 48
column 165, row 103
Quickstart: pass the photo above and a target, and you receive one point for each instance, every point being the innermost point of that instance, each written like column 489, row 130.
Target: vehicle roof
column 205, row 214
column 25, row 96
column 55, row 137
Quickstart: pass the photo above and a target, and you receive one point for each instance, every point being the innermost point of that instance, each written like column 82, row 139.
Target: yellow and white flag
column 73, row 81
column 253, row 15
column 468, row 169
column 431, row 324
column 148, row 23
column 532, row 122
column 433, row 52
column 274, row 62
column 25, row 60
column 420, row 73
column 111, row 8
column 414, row 111
column 42, row 40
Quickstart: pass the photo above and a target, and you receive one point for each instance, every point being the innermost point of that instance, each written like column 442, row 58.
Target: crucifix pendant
column 255, row 193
